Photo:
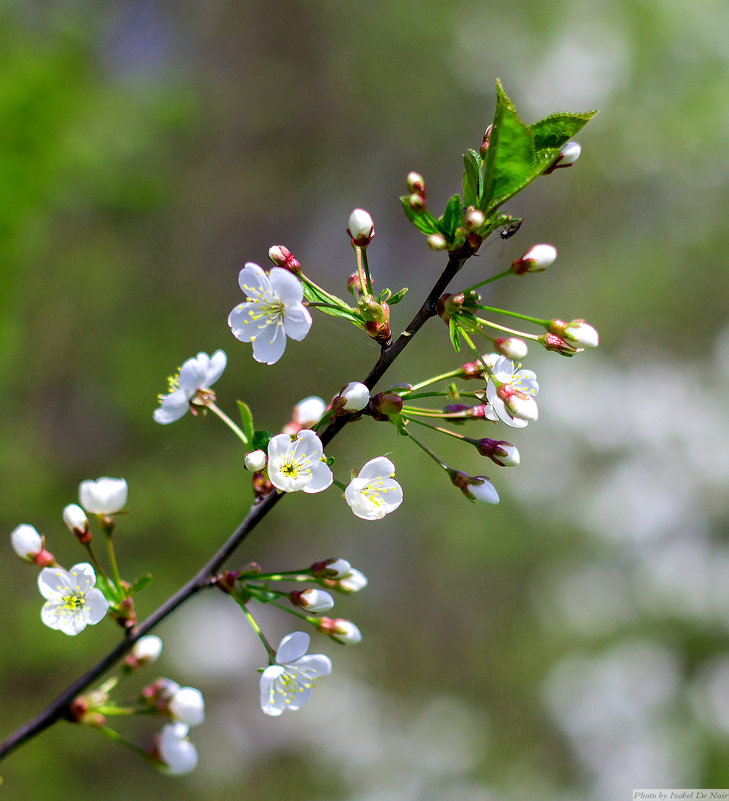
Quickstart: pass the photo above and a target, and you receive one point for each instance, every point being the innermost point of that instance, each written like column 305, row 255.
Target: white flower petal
column 269, row 344
column 292, row 647
column 286, row 286
column 321, row 478
column 297, row 322
column 253, row 280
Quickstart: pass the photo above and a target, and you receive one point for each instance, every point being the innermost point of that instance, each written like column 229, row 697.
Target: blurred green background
column 570, row 643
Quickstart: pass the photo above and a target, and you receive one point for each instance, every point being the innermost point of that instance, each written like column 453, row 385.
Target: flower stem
column 428, row 381
column 489, row 280
column 439, row 429
column 113, row 563
column 427, row 450
column 363, row 270
column 119, row 738
column 228, row 422
column 506, row 329
column 261, row 636
column 508, row 313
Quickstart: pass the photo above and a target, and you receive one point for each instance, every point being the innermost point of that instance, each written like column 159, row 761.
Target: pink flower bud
column 282, row 257
column 582, row 335
column 255, row 461
column 416, row 183
column 437, row 242
column 352, row 398
column 343, row 631
column 499, row 451
column 474, row 219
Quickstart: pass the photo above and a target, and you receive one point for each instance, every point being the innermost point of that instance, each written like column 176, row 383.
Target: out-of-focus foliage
column 569, row 643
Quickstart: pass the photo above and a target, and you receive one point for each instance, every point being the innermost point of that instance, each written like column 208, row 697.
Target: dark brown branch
column 58, row 708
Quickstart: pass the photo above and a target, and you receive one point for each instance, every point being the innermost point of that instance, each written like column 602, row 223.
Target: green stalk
column 228, row 422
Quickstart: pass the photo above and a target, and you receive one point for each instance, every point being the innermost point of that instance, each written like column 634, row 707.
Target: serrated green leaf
column 557, row 129
column 259, row 440
column 141, row 583
column 422, row 219
column 517, row 153
column 246, row 418
column 398, row 296
column 451, row 218
column 472, row 178
column 454, row 334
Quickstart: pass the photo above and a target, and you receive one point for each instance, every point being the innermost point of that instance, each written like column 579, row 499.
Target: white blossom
column 288, row 683
column 72, row 602
column 374, row 493
column 273, row 311
column 513, row 347
column 511, row 393
column 187, row 706
column 177, row 752
column 536, row 259
column 294, row 463
column 105, row 496
column 26, row 541
column 196, row 376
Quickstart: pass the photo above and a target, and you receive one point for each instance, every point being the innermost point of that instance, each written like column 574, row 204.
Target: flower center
column 74, row 599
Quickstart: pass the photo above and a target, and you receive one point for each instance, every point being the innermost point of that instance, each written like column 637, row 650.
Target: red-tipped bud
column 500, row 452
column 448, row 305
column 557, row 344
column 518, row 404
column 416, row 201
column 437, row 242
column 385, row 404
column 474, row 219
column 475, row 488
column 360, row 227
column 513, row 347
column 567, row 157
column 416, row 183
column 343, row 631
column 282, row 257
column 226, row 581
column 334, row 568
column 536, row 259
column 261, row 484
column 485, row 142
column 312, row 600
column 354, row 284
column 577, row 333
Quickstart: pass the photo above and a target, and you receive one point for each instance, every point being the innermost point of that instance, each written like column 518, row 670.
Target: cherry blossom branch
column 205, row 577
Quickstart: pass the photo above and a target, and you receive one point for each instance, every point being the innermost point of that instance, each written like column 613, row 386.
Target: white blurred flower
column 511, row 392
column 105, row 496
column 195, row 376
column 374, row 493
column 177, row 752
column 309, row 411
column 273, row 311
column 187, row 706
column 26, row 541
column 147, row 649
column 72, row 602
column 288, row 683
column 295, row 463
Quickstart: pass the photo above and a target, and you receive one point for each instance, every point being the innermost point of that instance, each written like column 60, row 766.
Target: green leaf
column 398, row 296
column 141, row 583
column 246, row 418
column 331, row 304
column 557, row 129
column 451, row 218
column 454, row 334
column 422, row 219
column 517, row 153
column 384, row 296
column 472, row 178
column 259, row 440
